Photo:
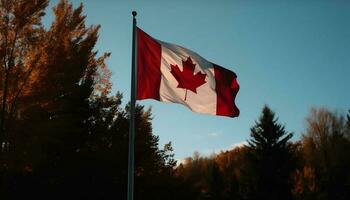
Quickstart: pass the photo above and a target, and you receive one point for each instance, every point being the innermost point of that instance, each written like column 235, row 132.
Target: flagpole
column 131, row 159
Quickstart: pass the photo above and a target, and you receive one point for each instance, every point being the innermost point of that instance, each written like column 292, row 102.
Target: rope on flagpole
column 131, row 158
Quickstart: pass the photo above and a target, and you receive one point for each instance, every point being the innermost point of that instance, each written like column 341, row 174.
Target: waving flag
column 171, row 73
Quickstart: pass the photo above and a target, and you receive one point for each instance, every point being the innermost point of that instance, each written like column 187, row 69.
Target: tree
column 43, row 71
column 232, row 165
column 304, row 183
column 20, row 28
column 270, row 160
column 202, row 175
column 65, row 133
column 326, row 149
column 48, row 80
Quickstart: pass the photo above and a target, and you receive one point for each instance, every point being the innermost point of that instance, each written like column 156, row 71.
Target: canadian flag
column 171, row 73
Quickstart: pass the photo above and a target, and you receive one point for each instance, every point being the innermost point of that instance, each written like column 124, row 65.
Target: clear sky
column 291, row 55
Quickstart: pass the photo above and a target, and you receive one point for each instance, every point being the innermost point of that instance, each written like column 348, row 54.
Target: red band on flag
column 148, row 66
column 226, row 91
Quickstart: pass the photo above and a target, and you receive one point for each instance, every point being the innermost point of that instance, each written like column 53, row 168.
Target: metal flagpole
column 131, row 160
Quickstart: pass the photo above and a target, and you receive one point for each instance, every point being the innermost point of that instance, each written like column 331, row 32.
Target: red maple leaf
column 186, row 78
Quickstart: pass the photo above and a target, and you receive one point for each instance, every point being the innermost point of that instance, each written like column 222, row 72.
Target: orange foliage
column 37, row 65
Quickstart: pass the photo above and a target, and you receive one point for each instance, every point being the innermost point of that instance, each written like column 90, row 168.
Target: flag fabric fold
column 171, row 73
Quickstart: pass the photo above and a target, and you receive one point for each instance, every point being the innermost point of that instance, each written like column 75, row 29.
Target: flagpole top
column 134, row 13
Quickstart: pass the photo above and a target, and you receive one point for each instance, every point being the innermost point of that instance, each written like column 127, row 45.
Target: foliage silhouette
column 326, row 150
column 270, row 159
column 62, row 131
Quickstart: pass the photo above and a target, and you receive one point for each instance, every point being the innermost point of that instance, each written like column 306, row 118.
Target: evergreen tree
column 48, row 77
column 64, row 133
column 270, row 160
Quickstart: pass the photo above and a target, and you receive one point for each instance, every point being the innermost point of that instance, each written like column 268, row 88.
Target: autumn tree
column 270, row 160
column 232, row 165
column 42, row 70
column 65, row 133
column 304, row 180
column 201, row 173
column 48, row 78
column 20, row 31
column 326, row 150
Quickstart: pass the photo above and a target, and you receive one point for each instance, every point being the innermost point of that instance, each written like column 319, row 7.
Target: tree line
column 271, row 166
column 63, row 135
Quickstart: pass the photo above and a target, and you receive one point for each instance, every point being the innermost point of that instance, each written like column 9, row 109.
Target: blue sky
column 291, row 55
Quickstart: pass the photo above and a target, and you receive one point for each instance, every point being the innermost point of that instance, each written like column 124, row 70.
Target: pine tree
column 270, row 160
column 63, row 131
column 47, row 80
